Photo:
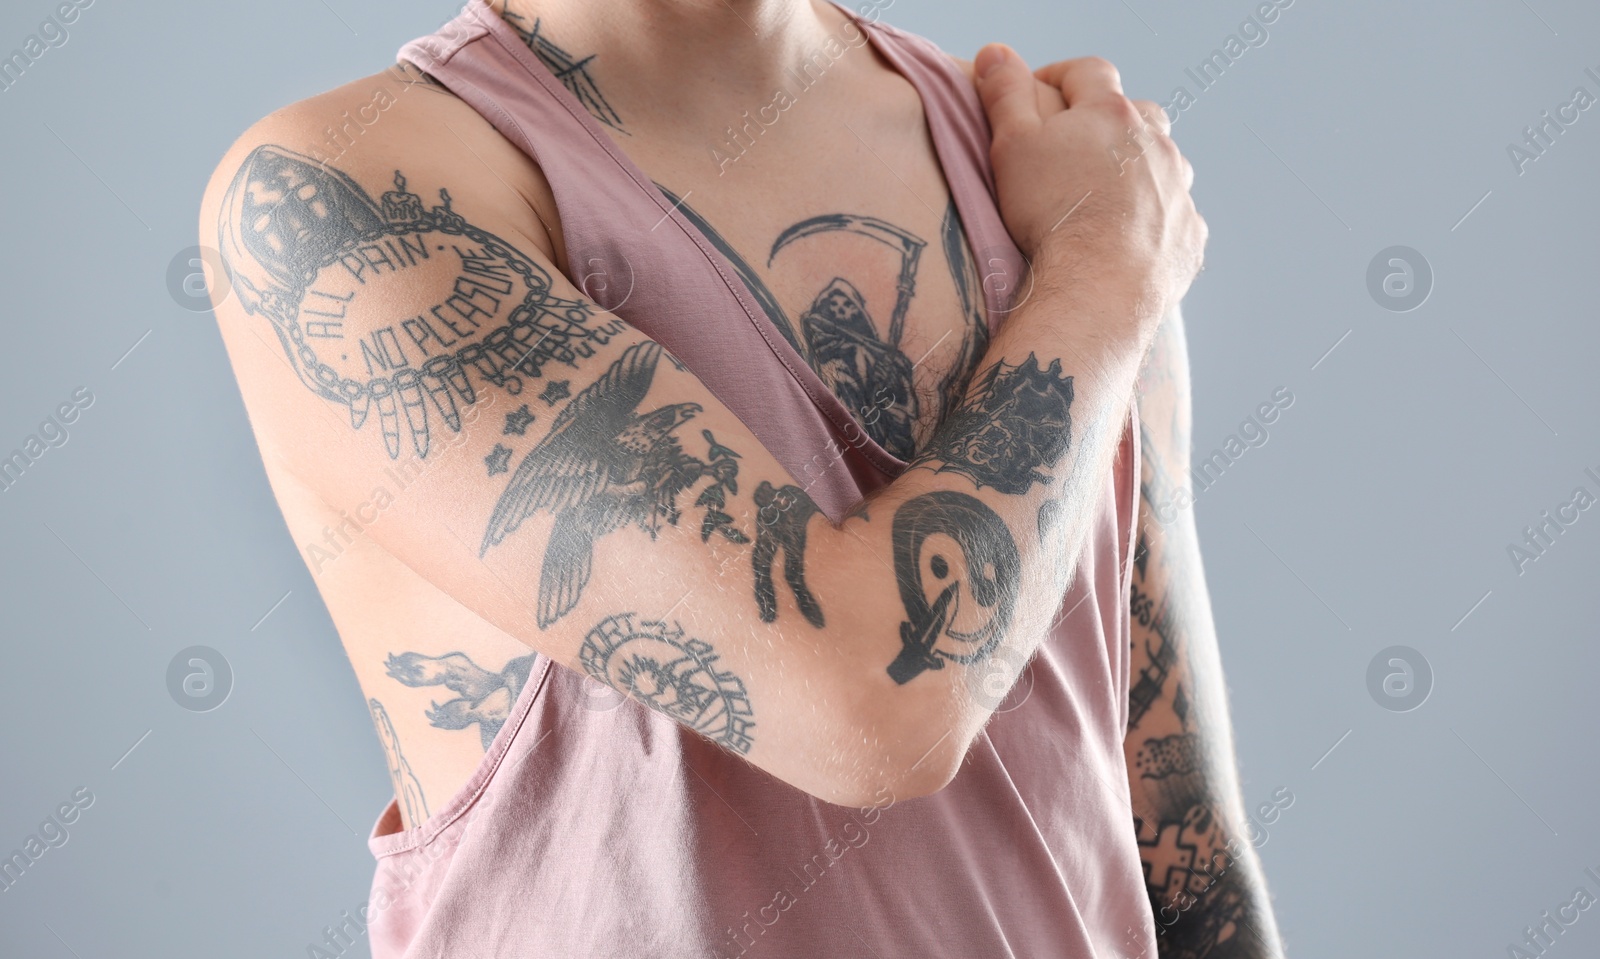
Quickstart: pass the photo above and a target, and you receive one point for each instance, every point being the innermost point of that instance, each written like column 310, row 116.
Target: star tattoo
column 554, row 391
column 498, row 460
column 518, row 420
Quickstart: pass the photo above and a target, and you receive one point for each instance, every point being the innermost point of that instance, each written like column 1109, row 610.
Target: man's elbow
column 895, row 752
column 887, row 786
column 932, row 770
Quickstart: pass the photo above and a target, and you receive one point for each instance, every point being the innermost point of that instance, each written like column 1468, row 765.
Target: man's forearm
column 1013, row 476
column 1206, row 884
column 1204, row 878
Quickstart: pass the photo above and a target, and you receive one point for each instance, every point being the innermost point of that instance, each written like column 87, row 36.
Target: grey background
column 1378, row 513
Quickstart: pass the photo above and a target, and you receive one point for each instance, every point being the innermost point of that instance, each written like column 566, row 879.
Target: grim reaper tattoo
column 868, row 373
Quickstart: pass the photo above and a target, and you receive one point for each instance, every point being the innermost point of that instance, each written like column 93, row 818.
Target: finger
column 1049, row 99
column 1051, row 73
column 1154, row 114
column 1082, row 78
column 1007, row 90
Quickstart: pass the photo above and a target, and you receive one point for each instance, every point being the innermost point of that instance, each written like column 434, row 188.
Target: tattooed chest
column 890, row 320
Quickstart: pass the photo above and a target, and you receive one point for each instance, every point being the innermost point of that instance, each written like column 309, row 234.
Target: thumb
column 1005, row 86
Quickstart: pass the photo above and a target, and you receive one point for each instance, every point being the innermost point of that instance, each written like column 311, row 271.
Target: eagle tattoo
column 603, row 466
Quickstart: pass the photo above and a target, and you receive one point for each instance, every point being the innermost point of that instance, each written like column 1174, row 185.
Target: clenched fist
column 1091, row 185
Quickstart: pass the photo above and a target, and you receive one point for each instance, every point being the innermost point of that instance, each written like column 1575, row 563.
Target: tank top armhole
column 387, row 840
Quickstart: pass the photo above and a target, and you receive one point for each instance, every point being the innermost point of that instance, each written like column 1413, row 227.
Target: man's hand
column 1090, row 183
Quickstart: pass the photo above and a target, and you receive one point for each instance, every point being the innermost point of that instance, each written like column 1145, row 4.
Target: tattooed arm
column 1204, row 878
column 411, row 358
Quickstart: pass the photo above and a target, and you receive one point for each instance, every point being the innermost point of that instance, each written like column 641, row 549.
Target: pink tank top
column 598, row 828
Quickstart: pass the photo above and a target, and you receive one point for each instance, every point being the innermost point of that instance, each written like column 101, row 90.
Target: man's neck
column 685, row 59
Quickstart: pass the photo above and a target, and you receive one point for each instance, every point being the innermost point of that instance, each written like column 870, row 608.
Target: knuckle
column 1001, row 140
column 1101, row 66
column 1007, row 79
column 1150, row 111
column 1120, row 110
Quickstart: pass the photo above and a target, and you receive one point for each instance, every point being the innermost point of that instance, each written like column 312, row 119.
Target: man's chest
column 854, row 257
column 879, row 299
column 829, row 203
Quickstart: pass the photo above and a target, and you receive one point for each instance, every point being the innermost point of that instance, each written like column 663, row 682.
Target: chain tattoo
column 308, row 248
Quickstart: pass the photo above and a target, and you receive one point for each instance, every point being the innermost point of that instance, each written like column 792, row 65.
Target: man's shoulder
column 397, row 122
column 331, row 128
column 869, row 13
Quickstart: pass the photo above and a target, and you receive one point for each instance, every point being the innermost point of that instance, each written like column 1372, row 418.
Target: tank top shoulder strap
column 960, row 132
column 480, row 58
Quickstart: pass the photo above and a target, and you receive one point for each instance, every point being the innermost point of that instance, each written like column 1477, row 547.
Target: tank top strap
column 960, row 131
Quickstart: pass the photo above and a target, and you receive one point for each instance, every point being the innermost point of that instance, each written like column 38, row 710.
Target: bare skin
column 420, row 595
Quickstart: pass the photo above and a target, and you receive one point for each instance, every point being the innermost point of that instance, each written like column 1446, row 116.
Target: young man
column 718, row 458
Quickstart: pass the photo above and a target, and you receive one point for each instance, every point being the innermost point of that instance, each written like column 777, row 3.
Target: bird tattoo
column 603, row 466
